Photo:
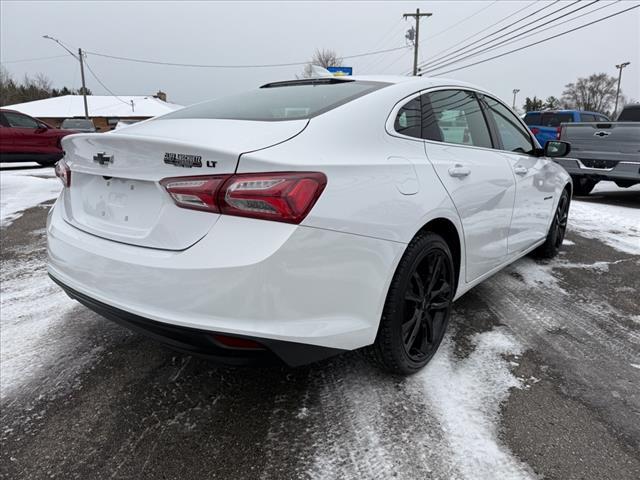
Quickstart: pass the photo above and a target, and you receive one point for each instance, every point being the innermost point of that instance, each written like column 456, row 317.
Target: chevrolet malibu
column 305, row 218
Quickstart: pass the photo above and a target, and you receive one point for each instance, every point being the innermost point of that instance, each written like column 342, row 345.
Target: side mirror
column 556, row 148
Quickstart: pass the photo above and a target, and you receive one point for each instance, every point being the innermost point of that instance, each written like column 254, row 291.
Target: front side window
column 409, row 119
column 454, row 116
column 588, row 117
column 20, row 121
column 515, row 137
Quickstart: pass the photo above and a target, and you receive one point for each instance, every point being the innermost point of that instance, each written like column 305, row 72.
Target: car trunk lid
column 115, row 191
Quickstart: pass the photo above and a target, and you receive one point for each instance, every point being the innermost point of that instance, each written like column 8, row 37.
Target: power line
column 32, row 59
column 484, row 30
column 515, row 39
column 464, row 55
column 271, row 65
column 540, row 41
column 437, row 34
column 104, row 86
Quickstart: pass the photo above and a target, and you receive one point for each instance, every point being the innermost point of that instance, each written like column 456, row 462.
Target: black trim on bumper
column 201, row 342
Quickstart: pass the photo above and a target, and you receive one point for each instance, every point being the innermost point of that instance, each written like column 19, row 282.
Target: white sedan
column 305, row 218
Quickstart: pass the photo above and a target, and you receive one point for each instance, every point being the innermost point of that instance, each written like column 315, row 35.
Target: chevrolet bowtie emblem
column 102, row 158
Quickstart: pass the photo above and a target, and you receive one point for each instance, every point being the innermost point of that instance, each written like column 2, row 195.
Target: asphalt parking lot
column 539, row 376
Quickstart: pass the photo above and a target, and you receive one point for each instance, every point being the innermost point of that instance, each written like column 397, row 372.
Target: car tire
column 417, row 308
column 582, row 186
column 558, row 228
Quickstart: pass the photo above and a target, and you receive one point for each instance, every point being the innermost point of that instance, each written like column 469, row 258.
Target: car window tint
column 457, row 118
column 515, row 136
column 587, row 117
column 408, row 120
column 281, row 101
column 532, row 118
column 602, row 118
column 3, row 121
column 20, row 121
column 551, row 119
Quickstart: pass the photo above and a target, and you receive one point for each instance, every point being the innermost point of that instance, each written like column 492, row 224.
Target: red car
column 26, row 139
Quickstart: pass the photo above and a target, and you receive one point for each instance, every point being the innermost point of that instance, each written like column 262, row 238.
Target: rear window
column 547, row 119
column 72, row 123
column 630, row 114
column 281, row 101
column 532, row 119
column 550, row 119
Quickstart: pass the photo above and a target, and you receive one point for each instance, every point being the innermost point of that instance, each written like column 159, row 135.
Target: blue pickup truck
column 545, row 125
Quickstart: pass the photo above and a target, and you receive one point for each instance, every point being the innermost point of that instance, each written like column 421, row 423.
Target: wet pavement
column 539, row 376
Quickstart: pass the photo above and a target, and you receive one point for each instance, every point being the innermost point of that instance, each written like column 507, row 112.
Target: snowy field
column 82, row 398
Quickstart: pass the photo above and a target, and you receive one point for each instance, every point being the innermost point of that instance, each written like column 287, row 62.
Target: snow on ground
column 616, row 226
column 467, row 395
column 22, row 189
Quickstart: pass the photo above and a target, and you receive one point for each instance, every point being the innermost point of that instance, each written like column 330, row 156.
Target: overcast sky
column 283, row 32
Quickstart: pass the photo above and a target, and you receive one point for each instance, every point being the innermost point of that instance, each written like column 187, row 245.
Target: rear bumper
column 202, row 343
column 623, row 170
column 246, row 277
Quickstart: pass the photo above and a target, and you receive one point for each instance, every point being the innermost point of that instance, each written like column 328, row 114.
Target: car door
column 534, row 180
column 28, row 136
column 478, row 179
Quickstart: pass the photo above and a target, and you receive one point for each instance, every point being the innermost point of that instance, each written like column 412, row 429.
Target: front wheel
column 418, row 306
column 555, row 236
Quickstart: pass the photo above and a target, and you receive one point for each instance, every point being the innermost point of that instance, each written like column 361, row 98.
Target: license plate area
column 116, row 205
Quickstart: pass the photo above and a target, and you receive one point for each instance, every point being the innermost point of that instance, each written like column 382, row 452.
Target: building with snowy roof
column 105, row 111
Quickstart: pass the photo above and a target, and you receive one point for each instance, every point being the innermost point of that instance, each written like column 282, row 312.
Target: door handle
column 459, row 171
column 520, row 170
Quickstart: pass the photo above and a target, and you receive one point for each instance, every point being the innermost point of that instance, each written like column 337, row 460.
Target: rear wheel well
column 448, row 231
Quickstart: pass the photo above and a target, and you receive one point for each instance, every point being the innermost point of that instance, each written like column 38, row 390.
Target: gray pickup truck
column 603, row 151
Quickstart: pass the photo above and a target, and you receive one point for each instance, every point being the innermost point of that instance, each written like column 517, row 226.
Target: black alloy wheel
column 417, row 308
column 427, row 306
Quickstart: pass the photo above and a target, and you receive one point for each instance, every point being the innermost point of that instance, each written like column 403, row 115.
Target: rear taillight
column 558, row 132
column 63, row 172
column 196, row 193
column 281, row 197
column 535, row 130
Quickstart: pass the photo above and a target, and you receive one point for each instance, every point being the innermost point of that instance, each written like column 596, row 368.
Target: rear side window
column 281, row 101
column 454, row 116
column 551, row 119
column 532, row 118
column 409, row 119
column 630, row 114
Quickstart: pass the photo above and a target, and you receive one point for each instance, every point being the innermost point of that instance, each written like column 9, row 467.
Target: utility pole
column 79, row 58
column 619, row 67
column 84, row 87
column 515, row 92
column 416, row 37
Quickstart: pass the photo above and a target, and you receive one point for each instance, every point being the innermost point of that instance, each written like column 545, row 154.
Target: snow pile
column 20, row 191
column 30, row 329
column 616, row 226
column 466, row 395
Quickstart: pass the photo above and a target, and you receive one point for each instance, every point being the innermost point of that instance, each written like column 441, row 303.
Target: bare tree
column 596, row 93
column 322, row 58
